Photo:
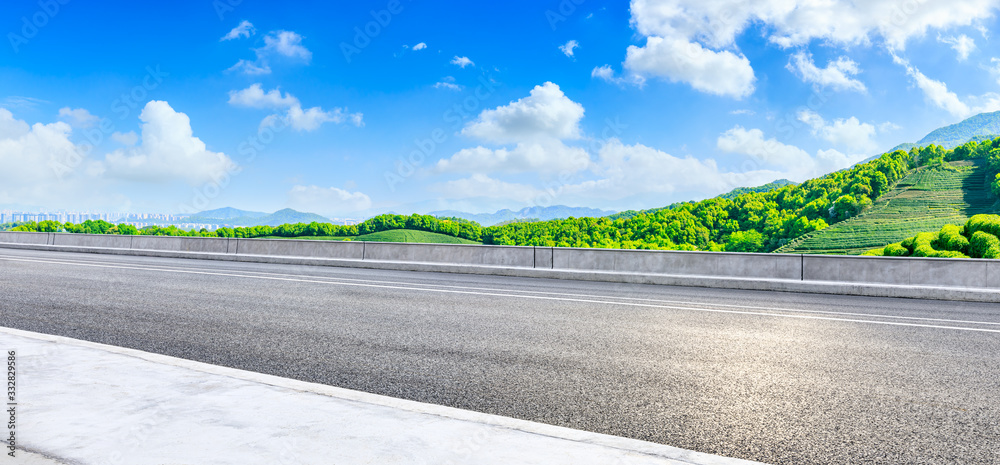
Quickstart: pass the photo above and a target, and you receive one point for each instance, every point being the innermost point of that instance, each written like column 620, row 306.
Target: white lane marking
column 535, row 297
column 697, row 305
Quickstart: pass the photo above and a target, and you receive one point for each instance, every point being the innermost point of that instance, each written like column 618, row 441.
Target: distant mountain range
column 981, row 127
column 237, row 217
column 556, row 212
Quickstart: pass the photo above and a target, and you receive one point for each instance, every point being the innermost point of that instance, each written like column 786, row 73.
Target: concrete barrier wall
column 301, row 248
column 903, row 271
column 932, row 272
column 183, row 244
column 490, row 255
column 25, row 237
column 93, row 240
column 771, row 266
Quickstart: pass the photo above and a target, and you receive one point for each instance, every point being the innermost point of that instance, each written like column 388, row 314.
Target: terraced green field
column 925, row 200
column 399, row 235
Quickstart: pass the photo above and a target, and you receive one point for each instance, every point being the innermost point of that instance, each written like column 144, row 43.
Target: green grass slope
column 925, row 200
column 398, row 235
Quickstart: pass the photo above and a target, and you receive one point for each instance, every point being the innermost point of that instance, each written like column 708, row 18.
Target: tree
column 745, row 241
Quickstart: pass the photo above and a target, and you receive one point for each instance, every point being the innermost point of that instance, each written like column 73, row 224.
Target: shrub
column 986, row 223
column 951, row 238
column 984, row 245
column 895, row 250
column 922, row 245
column 874, row 253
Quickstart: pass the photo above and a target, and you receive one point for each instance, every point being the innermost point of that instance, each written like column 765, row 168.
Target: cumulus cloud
column 792, row 161
column 462, row 62
column 286, row 44
column 963, row 45
column 419, row 46
column 849, row 133
column 626, row 170
column 603, row 72
column 41, row 164
column 168, row 151
column 715, row 72
column 537, row 126
column 78, row 117
column 481, row 185
column 569, row 47
column 838, row 75
column 244, row 30
column 694, row 41
column 298, row 118
column 327, row 200
column 546, row 113
column 538, row 157
column 797, row 22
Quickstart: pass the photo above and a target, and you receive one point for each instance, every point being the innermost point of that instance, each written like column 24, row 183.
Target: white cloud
column 938, row 94
column 792, row 162
column 545, row 114
column 694, row 41
column 797, row 22
column 244, row 30
column 41, row 164
column 286, row 43
column 447, row 83
column 462, row 62
column 837, row 75
column 78, row 117
column 169, row 151
column 537, row 126
column 255, row 97
column 720, row 73
column 481, row 185
column 849, row 133
column 298, row 118
column 327, row 200
column 569, row 47
column 125, row 138
column 628, row 170
column 603, row 72
column 276, row 43
column 538, row 157
column 963, row 45
column 419, row 46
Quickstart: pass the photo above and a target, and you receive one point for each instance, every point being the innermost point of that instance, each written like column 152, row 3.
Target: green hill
column 984, row 126
column 925, row 200
column 398, row 235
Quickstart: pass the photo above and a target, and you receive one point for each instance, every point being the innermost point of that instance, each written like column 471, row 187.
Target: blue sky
column 185, row 106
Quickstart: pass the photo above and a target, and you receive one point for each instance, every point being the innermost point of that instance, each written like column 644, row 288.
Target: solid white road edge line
column 604, row 440
column 535, row 297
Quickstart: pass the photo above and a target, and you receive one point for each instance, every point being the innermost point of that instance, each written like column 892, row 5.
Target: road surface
column 773, row 377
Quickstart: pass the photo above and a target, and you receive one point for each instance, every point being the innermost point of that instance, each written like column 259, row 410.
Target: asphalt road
column 773, row 377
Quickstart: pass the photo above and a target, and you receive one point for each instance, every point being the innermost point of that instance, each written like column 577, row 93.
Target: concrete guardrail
column 958, row 279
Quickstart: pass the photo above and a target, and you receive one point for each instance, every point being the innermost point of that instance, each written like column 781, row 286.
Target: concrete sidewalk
column 85, row 403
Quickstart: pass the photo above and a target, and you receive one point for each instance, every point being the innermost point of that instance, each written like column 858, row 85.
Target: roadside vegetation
column 748, row 222
column 979, row 238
